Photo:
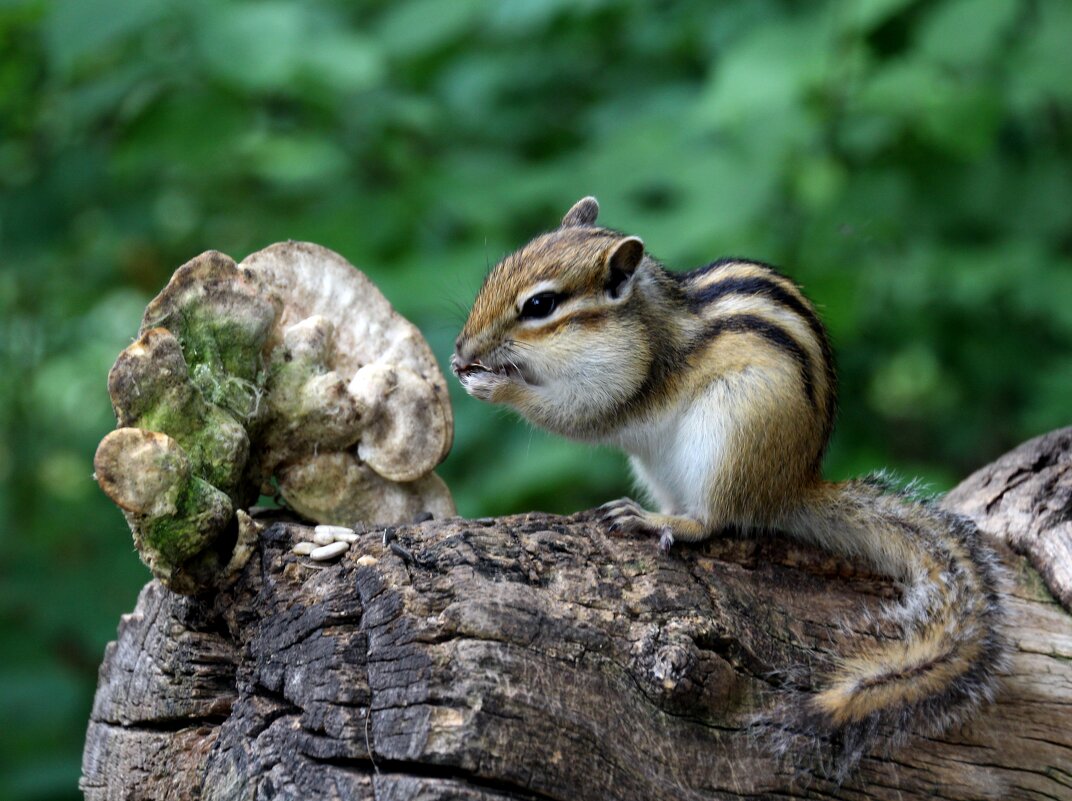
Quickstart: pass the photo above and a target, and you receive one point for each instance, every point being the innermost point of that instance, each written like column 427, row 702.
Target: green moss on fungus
column 151, row 389
column 217, row 444
column 195, row 378
column 225, row 359
column 223, row 322
column 175, row 515
column 202, row 512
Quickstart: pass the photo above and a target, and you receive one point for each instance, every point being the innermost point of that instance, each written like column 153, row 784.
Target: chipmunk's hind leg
column 625, row 514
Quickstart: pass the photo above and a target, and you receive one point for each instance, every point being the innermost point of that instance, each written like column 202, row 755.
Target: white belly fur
column 679, row 455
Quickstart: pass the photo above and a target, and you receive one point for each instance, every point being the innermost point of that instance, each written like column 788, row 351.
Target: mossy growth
column 216, row 443
column 223, row 323
column 226, row 362
column 195, row 378
column 151, row 389
column 201, row 513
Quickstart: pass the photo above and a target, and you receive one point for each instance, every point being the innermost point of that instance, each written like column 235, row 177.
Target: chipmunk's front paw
column 625, row 514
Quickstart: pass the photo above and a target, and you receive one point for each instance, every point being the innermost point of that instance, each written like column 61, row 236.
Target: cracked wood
column 536, row 657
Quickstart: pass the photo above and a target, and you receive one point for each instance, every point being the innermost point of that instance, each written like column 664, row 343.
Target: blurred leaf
column 74, row 30
column 768, row 72
column 416, row 27
column 869, row 14
column 962, row 32
column 344, row 62
column 911, row 384
column 1042, row 63
column 293, row 159
column 257, row 46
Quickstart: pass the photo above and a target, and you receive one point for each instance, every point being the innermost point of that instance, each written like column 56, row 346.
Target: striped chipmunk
column 719, row 383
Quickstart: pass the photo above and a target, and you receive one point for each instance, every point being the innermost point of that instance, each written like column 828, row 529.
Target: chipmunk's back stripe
column 755, row 285
column 717, row 265
column 774, row 288
column 773, row 333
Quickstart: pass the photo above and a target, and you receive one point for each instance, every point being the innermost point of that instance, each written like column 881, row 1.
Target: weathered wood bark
column 536, row 657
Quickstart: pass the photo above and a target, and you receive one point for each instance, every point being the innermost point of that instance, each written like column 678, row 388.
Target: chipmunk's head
column 553, row 331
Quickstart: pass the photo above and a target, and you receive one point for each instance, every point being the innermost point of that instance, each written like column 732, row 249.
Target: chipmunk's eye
column 540, row 305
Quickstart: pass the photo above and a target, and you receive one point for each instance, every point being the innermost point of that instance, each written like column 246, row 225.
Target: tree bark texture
column 538, row 657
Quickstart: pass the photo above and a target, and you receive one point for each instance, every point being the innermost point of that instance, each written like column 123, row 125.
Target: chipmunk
column 720, row 385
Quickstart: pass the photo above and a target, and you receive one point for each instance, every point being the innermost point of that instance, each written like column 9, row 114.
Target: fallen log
column 538, row 657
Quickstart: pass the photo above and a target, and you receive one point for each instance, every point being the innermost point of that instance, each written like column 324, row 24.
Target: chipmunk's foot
column 625, row 514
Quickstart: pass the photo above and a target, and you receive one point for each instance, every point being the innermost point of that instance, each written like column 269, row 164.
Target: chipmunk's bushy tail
column 947, row 661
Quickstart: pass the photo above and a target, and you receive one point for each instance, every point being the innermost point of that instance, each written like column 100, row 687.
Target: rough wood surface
column 536, row 657
column 1025, row 497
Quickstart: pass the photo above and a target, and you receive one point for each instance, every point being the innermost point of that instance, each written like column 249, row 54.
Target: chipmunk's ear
column 622, row 262
column 583, row 212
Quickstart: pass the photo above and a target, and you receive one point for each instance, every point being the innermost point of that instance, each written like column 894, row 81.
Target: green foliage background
column 907, row 161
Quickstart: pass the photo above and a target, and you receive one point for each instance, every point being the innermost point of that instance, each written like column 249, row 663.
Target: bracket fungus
column 289, row 370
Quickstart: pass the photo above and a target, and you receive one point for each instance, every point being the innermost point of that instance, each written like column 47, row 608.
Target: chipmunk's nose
column 463, row 357
column 458, row 365
column 463, row 352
